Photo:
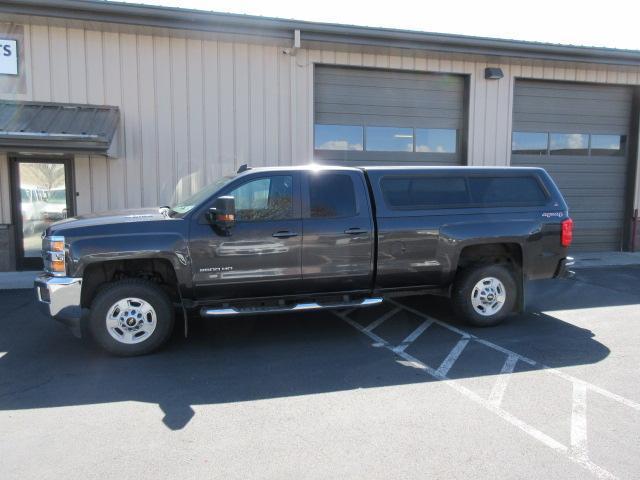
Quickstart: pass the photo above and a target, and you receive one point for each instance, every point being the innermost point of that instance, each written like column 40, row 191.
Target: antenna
column 243, row 168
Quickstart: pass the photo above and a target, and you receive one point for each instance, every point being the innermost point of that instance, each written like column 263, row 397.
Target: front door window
column 269, row 198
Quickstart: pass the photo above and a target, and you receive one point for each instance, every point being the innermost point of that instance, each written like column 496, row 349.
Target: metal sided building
column 111, row 106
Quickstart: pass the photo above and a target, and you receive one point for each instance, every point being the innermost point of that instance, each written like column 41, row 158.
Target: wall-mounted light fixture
column 493, row 73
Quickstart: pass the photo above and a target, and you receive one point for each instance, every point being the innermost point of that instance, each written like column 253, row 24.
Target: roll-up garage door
column 370, row 116
column 579, row 133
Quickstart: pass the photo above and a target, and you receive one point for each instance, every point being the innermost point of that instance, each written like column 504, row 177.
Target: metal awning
column 57, row 126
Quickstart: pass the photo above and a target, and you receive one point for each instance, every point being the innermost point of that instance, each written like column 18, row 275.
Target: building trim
column 314, row 32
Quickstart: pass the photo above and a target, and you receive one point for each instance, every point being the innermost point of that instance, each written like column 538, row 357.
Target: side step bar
column 299, row 307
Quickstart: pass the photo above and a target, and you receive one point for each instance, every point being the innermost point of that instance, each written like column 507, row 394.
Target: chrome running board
column 299, row 307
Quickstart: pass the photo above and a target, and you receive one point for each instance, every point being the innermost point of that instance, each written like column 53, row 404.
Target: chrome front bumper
column 59, row 297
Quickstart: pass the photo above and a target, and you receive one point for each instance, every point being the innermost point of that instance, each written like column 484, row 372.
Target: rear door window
column 331, row 195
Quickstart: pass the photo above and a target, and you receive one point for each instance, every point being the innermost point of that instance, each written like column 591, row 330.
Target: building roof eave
column 319, row 33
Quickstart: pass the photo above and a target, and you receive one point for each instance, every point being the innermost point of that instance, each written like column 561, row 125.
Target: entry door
column 41, row 194
column 337, row 251
column 260, row 255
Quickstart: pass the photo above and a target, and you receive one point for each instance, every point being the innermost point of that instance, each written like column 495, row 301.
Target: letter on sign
column 8, row 57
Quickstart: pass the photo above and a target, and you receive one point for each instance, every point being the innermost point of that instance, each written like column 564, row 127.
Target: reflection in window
column 436, row 140
column 338, row 137
column 389, row 139
column 331, row 195
column 424, row 192
column 264, row 199
column 608, row 144
column 568, row 144
column 504, row 191
column 529, row 143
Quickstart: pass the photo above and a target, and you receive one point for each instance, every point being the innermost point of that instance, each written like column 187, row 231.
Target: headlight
column 53, row 255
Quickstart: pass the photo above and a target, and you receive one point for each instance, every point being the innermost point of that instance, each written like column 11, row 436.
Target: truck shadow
column 252, row 358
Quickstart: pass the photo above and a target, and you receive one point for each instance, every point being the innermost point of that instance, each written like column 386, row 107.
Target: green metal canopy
column 57, row 126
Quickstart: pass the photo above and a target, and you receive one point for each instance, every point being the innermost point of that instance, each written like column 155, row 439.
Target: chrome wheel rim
column 488, row 296
column 131, row 320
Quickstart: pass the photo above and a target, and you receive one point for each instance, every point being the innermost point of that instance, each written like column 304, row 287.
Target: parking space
column 402, row 389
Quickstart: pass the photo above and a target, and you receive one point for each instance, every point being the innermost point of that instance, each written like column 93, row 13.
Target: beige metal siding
column 195, row 108
column 5, row 194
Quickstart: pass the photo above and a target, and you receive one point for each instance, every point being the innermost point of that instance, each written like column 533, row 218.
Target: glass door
column 41, row 196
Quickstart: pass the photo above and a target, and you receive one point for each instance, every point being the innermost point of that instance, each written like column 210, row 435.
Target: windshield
column 200, row 196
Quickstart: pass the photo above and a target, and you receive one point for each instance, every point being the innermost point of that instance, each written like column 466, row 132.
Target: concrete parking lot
column 402, row 390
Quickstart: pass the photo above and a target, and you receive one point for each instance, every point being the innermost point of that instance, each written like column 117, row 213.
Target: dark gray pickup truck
column 305, row 238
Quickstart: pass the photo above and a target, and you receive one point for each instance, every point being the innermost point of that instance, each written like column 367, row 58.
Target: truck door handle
column 355, row 231
column 284, row 234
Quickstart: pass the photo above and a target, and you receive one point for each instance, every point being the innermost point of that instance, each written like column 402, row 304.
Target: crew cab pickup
column 305, row 238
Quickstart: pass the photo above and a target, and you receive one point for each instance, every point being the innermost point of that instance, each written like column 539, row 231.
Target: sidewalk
column 606, row 259
column 17, row 280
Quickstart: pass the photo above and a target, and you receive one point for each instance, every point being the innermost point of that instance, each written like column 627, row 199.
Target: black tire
column 464, row 285
column 131, row 288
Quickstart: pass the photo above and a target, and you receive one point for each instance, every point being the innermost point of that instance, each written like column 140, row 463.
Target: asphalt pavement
column 402, row 390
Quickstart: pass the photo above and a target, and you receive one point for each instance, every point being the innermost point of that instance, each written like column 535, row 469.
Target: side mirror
column 223, row 213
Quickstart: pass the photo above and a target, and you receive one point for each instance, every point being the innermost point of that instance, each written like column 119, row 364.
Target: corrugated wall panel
column 148, row 122
column 165, row 172
column 211, row 111
column 195, row 109
column 195, row 95
column 5, row 193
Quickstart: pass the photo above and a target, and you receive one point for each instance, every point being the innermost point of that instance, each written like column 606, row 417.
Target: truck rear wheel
column 131, row 317
column 484, row 295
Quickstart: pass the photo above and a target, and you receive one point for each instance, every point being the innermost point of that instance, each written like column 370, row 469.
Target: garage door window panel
column 608, row 145
column 389, row 139
column 530, row 143
column 568, row 144
column 436, row 140
column 339, row 137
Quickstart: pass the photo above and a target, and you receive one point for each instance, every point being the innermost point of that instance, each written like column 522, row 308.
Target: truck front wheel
column 484, row 295
column 131, row 317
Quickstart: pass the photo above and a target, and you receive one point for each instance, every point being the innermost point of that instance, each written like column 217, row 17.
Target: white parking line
column 497, row 392
column 2, row 354
column 379, row 321
column 579, row 421
column 577, row 452
column 454, row 354
column 413, row 335
column 463, row 333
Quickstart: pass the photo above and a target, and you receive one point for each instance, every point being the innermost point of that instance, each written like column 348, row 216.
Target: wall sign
column 8, row 57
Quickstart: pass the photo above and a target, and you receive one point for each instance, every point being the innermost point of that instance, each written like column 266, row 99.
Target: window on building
column 506, row 191
column 609, row 145
column 424, row 192
column 268, row 198
column 529, row 143
column 389, row 139
column 331, row 195
column 568, row 144
column 338, row 137
column 436, row 140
